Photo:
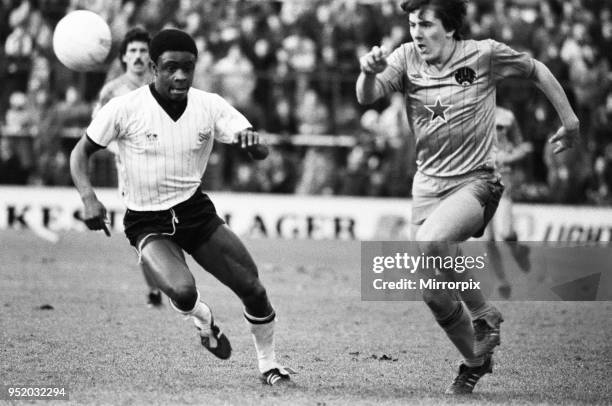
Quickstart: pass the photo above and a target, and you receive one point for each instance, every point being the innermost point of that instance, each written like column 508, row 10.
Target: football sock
column 478, row 308
column 458, row 327
column 202, row 313
column 262, row 329
column 199, row 310
column 474, row 362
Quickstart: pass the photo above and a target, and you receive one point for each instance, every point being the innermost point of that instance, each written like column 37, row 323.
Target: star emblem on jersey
column 438, row 110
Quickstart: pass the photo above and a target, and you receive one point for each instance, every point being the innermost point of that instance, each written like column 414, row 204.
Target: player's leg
column 168, row 270
column 456, row 218
column 486, row 318
column 154, row 297
column 495, row 258
column 507, row 233
column 226, row 258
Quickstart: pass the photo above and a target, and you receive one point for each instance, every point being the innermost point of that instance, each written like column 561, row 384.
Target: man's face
column 136, row 57
column 174, row 74
column 428, row 34
column 501, row 130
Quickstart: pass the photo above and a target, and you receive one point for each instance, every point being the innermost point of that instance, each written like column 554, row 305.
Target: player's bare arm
column 367, row 87
column 569, row 132
column 94, row 212
column 250, row 140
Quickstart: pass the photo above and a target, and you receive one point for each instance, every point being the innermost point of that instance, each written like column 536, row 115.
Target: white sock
column 474, row 362
column 200, row 313
column 262, row 329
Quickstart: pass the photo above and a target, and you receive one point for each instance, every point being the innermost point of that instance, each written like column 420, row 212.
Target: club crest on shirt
column 151, row 137
column 465, row 76
column 204, row 136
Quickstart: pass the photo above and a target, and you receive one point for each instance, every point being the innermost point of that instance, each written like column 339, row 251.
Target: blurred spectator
column 318, row 164
column 601, row 192
column 601, row 128
column 568, row 174
column 12, row 170
column 282, row 119
column 203, row 76
column 278, row 172
column 312, row 114
column 16, row 120
column 235, row 77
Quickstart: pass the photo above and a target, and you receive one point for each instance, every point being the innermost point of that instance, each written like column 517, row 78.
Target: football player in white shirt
column 164, row 134
column 135, row 61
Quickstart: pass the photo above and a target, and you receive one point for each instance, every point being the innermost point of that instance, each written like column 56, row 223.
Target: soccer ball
column 82, row 40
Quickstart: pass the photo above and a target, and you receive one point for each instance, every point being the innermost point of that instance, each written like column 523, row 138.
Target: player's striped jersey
column 163, row 160
column 452, row 112
column 118, row 87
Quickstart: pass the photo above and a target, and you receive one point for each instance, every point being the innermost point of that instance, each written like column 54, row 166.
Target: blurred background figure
column 511, row 150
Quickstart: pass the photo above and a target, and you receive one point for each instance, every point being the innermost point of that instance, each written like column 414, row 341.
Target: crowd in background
column 290, row 67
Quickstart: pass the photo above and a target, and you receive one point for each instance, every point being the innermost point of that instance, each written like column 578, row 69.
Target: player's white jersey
column 162, row 160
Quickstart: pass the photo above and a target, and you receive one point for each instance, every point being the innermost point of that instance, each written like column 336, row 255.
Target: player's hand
column 250, row 140
column 94, row 215
column 565, row 138
column 374, row 61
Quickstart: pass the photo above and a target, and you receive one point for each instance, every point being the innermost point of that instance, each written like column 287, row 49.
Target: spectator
column 16, row 120
column 235, row 77
column 12, row 170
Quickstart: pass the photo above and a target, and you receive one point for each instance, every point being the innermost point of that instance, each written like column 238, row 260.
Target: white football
column 82, row 40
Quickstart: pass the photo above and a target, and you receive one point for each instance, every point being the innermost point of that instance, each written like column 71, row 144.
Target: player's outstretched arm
column 94, row 214
column 569, row 132
column 367, row 88
column 250, row 140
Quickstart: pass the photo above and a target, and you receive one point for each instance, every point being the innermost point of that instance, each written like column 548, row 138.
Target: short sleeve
column 392, row 78
column 228, row 121
column 506, row 62
column 106, row 124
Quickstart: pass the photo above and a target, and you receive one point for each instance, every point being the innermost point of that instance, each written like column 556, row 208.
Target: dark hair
column 171, row 40
column 136, row 34
column 452, row 13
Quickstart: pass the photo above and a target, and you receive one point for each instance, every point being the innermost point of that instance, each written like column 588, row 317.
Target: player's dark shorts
column 196, row 221
column 429, row 191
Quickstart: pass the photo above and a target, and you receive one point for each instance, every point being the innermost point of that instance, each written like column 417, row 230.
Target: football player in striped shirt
column 449, row 85
column 135, row 61
column 164, row 134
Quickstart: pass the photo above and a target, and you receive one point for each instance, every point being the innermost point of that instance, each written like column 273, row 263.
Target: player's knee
column 253, row 291
column 184, row 295
column 437, row 301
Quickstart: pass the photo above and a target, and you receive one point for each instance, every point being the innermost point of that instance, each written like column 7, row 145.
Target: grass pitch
column 73, row 313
